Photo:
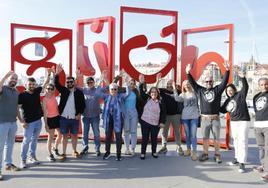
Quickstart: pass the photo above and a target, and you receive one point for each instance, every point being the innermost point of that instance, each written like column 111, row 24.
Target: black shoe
column 242, row 168
column 84, row 151
column 142, row 157
column 55, row 151
column 155, row 155
column 118, row 157
column 51, row 158
column 98, row 153
column 107, row 155
column 233, row 162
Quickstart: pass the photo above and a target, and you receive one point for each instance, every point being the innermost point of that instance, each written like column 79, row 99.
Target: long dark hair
column 232, row 86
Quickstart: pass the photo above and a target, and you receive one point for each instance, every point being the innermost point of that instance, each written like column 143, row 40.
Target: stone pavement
column 168, row 170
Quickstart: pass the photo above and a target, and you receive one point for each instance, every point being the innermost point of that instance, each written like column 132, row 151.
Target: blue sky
column 248, row 17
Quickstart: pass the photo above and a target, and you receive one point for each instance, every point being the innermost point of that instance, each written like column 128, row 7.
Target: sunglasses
column 113, row 89
column 50, row 88
column 69, row 82
column 209, row 81
column 91, row 82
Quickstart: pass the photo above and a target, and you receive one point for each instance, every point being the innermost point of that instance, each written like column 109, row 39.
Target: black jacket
column 260, row 103
column 210, row 99
column 79, row 98
column 144, row 99
column 237, row 105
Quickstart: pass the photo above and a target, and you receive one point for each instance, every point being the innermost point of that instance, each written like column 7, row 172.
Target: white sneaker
column 132, row 153
column 127, row 152
column 33, row 160
column 23, row 164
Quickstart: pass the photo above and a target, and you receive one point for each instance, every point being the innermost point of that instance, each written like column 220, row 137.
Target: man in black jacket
column 210, row 101
column 173, row 117
column 72, row 105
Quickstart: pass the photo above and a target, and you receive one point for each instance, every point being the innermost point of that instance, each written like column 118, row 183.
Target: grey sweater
column 190, row 105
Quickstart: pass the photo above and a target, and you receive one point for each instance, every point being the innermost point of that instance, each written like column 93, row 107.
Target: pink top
column 151, row 112
column 51, row 106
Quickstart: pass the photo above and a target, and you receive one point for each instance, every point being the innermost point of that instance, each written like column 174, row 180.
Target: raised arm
column 2, row 81
column 244, row 89
column 49, row 72
column 58, row 85
column 193, row 83
column 177, row 97
column 224, row 82
column 142, row 88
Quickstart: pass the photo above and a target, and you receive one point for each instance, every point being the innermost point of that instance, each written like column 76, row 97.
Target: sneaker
column 76, row 154
column 155, row 155
column 203, row 157
column 194, row 156
column 265, row 178
column 163, row 150
column 242, row 168
column 233, row 162
column 107, row 155
column 55, row 151
column 258, row 169
column 1, row 176
column 51, row 158
column 33, row 160
column 217, row 158
column 23, row 164
column 12, row 167
column 127, row 152
column 118, row 157
column 84, row 151
column 142, row 157
column 180, row 151
column 98, row 153
column 132, row 152
column 187, row 152
column 62, row 157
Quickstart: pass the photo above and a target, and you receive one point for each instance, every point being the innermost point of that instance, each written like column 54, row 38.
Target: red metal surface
column 139, row 41
column 190, row 55
column 104, row 51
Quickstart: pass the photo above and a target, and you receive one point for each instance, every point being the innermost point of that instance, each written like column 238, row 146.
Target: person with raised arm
column 236, row 105
column 210, row 101
column 8, row 126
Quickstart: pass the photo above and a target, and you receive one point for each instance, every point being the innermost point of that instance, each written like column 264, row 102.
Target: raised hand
column 241, row 74
column 226, row 65
column 158, row 77
column 188, row 68
column 141, row 78
column 59, row 68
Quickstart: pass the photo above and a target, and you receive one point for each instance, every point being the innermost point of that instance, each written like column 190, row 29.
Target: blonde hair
column 184, row 84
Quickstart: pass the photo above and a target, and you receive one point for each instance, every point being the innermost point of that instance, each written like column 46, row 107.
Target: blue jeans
column 7, row 139
column 130, row 128
column 94, row 122
column 30, row 138
column 190, row 129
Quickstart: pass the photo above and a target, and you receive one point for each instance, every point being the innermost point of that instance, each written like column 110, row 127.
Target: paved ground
column 168, row 170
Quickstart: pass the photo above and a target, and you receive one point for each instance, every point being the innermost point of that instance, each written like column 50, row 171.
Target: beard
column 12, row 84
column 70, row 86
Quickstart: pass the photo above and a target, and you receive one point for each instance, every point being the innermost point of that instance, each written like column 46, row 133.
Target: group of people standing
column 125, row 107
